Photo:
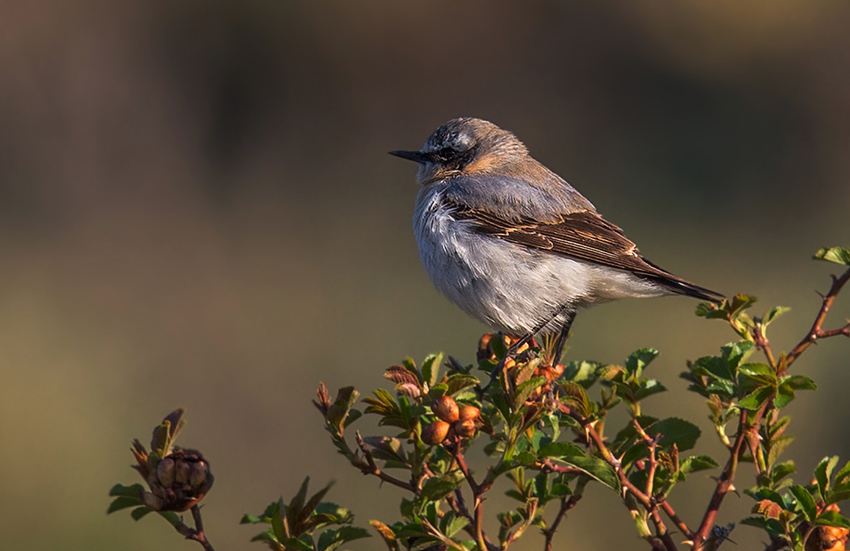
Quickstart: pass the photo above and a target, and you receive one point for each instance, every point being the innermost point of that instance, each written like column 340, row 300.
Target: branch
column 196, row 534
column 724, row 482
column 648, row 502
column 680, row 524
column 816, row 332
column 370, row 467
column 566, row 505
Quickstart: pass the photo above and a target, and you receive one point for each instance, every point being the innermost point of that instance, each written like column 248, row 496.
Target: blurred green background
column 197, row 209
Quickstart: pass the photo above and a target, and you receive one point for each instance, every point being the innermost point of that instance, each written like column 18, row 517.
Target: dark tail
column 680, row 286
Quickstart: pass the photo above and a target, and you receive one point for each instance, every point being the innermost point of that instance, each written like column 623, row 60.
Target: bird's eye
column 447, row 153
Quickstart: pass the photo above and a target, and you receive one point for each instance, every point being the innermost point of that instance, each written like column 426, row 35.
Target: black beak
column 416, row 156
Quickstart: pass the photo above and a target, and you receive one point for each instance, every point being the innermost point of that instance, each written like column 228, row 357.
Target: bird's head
column 464, row 146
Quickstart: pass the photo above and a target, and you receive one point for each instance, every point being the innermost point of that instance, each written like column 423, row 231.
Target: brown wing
column 584, row 235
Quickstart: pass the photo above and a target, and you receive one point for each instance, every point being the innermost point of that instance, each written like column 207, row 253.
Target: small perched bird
column 513, row 244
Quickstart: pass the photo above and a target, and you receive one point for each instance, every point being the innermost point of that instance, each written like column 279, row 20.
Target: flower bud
column 181, row 471
column 198, row 474
column 445, row 408
column 465, row 429
column 434, row 433
column 469, row 413
column 165, row 472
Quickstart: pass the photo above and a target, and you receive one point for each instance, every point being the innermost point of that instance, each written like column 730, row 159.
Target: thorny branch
column 647, row 502
column 816, row 332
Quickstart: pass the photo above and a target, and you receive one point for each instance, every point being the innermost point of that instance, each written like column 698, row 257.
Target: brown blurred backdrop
column 197, row 209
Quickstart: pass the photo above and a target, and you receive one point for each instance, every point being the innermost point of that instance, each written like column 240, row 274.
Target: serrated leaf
column 437, row 488
column 837, row 255
column 459, row 382
column 525, row 390
column 639, row 359
column 781, row 470
column 576, row 457
column 805, row 501
column 833, row 518
column 574, row 396
column 756, row 370
column 583, row 373
column 675, row 431
column 431, row 368
column 798, row 382
column 648, row 388
column 755, row 399
column 697, row 463
column 784, row 395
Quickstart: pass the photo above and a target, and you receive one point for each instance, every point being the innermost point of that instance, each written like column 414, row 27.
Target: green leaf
column 123, row 502
column 774, row 313
column 798, row 382
column 697, row 463
column 172, row 518
column 675, row 431
column 278, row 526
column 431, row 369
column 559, row 449
column 838, row 255
column 576, row 457
column 805, row 501
column 459, row 382
column 639, row 359
column 438, row 488
column 303, row 543
column 331, row 539
column 833, row 518
column 581, row 372
column 755, row 399
column 140, row 512
column 780, row 471
column 758, row 371
column 127, row 491
column 784, row 395
column 648, row 388
column 823, row 472
column 524, row 390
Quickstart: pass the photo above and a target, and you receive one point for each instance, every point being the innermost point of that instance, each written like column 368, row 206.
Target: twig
column 196, row 534
column 816, row 332
column 648, row 502
column 680, row 524
column 724, row 482
column 566, row 505
column 762, row 343
column 370, row 467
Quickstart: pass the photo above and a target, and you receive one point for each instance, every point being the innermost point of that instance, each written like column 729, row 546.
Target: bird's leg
column 525, row 339
column 562, row 337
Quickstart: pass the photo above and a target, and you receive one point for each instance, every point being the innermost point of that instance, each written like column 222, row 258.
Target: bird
column 513, row 244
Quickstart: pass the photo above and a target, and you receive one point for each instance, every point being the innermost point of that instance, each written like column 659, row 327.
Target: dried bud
column 165, row 472
column 434, row 433
column 469, row 413
column 181, row 472
column 151, row 501
column 198, row 474
column 445, row 408
column 465, row 429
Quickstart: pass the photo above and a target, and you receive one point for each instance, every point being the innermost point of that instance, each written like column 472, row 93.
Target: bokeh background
column 197, row 209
